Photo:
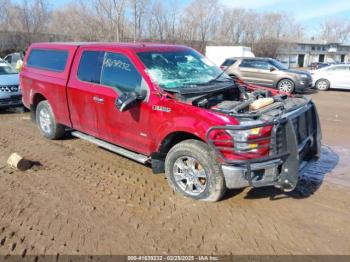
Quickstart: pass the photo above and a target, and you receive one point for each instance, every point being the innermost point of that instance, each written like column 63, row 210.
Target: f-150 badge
column 161, row 108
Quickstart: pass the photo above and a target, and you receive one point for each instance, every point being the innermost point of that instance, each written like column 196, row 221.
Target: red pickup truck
column 169, row 106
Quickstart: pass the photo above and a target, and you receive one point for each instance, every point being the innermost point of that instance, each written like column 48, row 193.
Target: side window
column 48, row 59
column 119, row 72
column 90, row 66
column 8, row 59
column 262, row 65
column 247, row 63
column 257, row 64
column 229, row 62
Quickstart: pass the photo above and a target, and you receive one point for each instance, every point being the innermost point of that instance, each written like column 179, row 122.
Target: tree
column 267, row 47
column 335, row 30
column 200, row 19
column 139, row 8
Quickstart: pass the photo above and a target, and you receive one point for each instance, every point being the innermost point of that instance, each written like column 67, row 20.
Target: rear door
column 342, row 77
column 337, row 76
column 83, row 94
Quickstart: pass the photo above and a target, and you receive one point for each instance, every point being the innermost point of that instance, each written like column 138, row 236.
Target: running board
column 116, row 149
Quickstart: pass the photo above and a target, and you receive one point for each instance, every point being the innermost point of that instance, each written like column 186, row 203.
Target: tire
column 46, row 122
column 200, row 171
column 322, row 84
column 286, row 86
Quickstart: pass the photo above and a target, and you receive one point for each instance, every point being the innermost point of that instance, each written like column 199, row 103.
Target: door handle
column 98, row 99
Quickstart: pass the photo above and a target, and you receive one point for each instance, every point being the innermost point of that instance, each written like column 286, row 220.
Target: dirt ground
column 81, row 199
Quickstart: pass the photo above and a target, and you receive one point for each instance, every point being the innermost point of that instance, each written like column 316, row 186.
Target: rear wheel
column 322, row 84
column 47, row 123
column 191, row 170
column 286, row 86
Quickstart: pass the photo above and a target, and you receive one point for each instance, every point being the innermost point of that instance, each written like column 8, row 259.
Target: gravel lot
column 81, row 199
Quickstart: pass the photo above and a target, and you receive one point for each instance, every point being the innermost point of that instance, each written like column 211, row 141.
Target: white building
column 303, row 53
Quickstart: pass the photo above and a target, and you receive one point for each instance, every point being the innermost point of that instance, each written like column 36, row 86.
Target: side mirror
column 128, row 100
column 272, row 69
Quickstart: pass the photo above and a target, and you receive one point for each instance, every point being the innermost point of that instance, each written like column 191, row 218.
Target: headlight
column 241, row 137
column 304, row 76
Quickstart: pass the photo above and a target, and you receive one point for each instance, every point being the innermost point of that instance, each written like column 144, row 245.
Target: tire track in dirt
column 87, row 200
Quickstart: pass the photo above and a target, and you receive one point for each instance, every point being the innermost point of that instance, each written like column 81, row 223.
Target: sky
column 310, row 13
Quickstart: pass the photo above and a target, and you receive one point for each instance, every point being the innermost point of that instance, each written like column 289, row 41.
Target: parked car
column 318, row 65
column 333, row 76
column 10, row 92
column 268, row 72
column 169, row 106
column 14, row 59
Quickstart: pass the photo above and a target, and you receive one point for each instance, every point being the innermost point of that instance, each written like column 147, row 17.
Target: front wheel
column 47, row 123
column 322, row 84
column 192, row 170
column 286, row 86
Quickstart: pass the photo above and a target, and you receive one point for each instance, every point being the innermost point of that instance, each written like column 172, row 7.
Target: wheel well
column 285, row 78
column 36, row 100
column 158, row 158
column 175, row 138
column 322, row 79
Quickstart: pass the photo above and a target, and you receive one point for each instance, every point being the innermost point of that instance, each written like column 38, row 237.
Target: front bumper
column 236, row 176
column 303, row 84
column 10, row 100
column 299, row 143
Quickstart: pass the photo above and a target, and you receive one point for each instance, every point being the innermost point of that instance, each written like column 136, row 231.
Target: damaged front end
column 271, row 144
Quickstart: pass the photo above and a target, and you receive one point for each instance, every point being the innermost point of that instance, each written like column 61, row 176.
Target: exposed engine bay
column 240, row 103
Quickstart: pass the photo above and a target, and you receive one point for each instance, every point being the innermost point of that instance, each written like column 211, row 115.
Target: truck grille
column 304, row 125
column 9, row 88
column 13, row 100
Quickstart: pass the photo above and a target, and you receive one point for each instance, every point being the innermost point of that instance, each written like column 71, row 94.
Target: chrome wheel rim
column 190, row 175
column 286, row 86
column 45, row 121
column 322, row 85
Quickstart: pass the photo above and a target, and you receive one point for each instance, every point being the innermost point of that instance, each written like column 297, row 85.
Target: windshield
column 180, row 69
column 278, row 65
column 7, row 69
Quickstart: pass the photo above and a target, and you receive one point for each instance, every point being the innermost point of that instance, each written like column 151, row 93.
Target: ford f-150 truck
column 169, row 106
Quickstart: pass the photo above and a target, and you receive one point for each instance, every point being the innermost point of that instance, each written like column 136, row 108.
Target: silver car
column 333, row 76
column 10, row 92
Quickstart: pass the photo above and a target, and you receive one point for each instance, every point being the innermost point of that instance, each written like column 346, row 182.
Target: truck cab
column 170, row 106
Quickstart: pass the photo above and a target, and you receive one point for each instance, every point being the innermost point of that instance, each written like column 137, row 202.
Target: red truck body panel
column 141, row 129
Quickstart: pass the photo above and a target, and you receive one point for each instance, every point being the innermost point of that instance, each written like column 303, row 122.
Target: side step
column 116, row 149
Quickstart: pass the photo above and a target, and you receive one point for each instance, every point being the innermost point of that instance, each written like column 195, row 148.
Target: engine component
column 262, row 102
column 226, row 105
column 243, row 105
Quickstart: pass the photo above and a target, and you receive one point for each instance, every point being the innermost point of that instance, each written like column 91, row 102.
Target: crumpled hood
column 11, row 79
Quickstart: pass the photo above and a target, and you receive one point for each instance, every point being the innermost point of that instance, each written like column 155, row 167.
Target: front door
column 256, row 71
column 129, row 128
column 98, row 79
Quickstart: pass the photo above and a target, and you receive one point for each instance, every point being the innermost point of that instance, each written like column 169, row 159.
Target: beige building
column 303, row 53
